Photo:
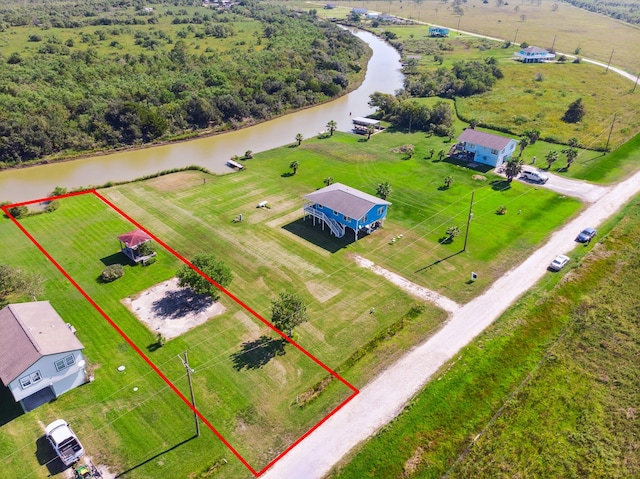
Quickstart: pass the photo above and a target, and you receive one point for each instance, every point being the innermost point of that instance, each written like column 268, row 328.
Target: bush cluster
column 111, row 273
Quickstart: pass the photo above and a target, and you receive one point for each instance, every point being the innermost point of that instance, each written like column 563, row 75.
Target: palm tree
column 447, row 181
column 441, row 155
column 524, row 142
column 513, row 168
column 383, row 190
column 572, row 154
column 248, row 155
column 551, row 158
column 533, row 135
column 331, row 126
column 370, row 131
column 294, row 165
column 299, row 138
column 328, row 181
column 573, row 142
column 452, row 232
column 431, row 152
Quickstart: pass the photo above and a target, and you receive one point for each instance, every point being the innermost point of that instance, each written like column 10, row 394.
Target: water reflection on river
column 383, row 74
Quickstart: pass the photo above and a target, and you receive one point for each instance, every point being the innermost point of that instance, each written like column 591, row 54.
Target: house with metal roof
column 485, row 148
column 534, row 55
column 340, row 207
column 40, row 355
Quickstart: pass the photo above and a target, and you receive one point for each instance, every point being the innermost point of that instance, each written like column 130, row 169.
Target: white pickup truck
column 64, row 442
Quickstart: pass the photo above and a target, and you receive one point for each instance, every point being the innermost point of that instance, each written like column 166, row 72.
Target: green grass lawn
column 548, row 391
column 271, row 250
column 551, row 386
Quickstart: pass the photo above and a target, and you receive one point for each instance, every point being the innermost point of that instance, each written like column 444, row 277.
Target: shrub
column 111, row 273
column 19, row 211
column 146, row 249
column 502, row 210
column 52, row 206
column 160, row 340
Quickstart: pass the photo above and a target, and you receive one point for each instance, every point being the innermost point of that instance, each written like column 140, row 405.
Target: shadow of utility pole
column 438, row 261
column 124, row 473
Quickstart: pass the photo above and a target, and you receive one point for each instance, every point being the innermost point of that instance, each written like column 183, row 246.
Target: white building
column 40, row 355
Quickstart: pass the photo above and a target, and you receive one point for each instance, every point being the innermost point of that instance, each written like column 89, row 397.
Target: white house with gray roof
column 339, row 207
column 40, row 355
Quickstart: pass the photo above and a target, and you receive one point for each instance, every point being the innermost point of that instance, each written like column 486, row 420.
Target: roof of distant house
column 495, row 142
column 134, row 238
column 534, row 50
column 346, row 200
column 29, row 331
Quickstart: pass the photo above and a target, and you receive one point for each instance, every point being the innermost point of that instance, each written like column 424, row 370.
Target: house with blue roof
column 485, row 148
column 340, row 207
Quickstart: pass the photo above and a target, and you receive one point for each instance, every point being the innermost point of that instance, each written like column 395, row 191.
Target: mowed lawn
column 271, row 250
column 239, row 398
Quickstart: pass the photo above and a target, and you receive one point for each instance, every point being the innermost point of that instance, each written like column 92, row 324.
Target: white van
column 535, row 176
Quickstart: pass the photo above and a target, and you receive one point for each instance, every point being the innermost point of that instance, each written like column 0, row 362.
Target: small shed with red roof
column 130, row 244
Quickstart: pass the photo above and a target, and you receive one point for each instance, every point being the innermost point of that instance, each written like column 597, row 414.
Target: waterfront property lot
column 271, row 250
column 239, row 360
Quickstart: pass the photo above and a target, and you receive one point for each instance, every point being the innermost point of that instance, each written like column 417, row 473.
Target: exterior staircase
column 336, row 228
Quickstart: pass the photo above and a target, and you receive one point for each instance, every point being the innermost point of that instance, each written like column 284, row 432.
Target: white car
column 64, row 442
column 535, row 176
column 558, row 262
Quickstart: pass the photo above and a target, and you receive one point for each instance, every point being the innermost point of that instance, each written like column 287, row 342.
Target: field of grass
column 269, row 251
column 566, row 28
column 532, row 96
column 550, row 390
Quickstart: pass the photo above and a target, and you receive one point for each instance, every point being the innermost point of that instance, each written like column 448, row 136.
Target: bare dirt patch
column 170, row 310
column 176, row 181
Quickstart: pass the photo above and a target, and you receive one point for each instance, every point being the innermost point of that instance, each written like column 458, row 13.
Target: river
column 383, row 75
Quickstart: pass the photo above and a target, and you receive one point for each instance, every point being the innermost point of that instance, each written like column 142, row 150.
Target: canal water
column 383, row 75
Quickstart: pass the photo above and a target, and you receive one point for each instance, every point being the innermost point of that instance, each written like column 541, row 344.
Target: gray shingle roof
column 346, row 200
column 29, row 331
column 481, row 138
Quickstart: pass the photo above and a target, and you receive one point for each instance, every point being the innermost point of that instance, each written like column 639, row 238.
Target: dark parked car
column 586, row 235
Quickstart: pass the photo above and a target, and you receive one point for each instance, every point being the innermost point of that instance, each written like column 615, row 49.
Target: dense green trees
column 409, row 113
column 111, row 84
column 464, row 78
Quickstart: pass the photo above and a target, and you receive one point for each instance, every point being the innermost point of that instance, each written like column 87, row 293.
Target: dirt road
column 382, row 399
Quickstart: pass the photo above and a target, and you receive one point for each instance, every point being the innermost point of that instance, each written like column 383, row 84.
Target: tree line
column 93, row 94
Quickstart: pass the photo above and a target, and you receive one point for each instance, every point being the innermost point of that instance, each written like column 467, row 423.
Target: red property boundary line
column 355, row 391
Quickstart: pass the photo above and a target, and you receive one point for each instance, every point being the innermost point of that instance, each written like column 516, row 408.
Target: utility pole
column 516, row 35
column 634, row 86
column 609, row 61
column 466, row 233
column 606, row 148
column 553, row 44
column 185, row 363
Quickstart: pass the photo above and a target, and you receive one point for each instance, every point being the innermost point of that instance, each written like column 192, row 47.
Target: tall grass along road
column 383, row 399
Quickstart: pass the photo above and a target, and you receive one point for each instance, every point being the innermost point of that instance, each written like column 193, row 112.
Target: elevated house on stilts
column 340, row 207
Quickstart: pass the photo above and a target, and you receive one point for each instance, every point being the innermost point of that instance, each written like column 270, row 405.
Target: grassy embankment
column 550, row 390
column 270, row 250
